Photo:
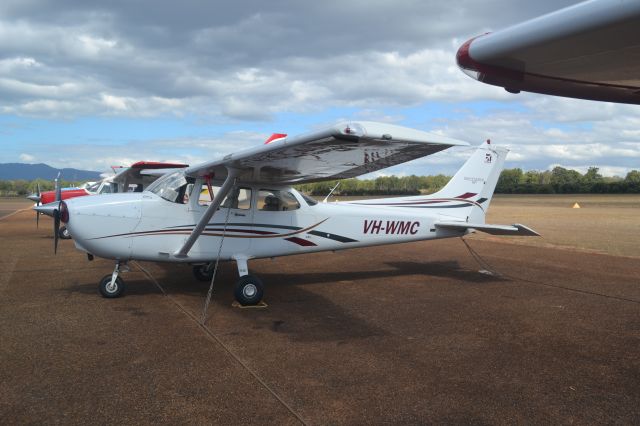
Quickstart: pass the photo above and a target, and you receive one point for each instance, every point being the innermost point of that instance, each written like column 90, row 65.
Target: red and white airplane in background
column 251, row 211
column 130, row 179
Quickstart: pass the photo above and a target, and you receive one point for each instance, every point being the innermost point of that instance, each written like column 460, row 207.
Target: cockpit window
column 94, row 187
column 109, row 187
column 310, row 201
column 171, row 187
column 272, row 200
column 238, row 198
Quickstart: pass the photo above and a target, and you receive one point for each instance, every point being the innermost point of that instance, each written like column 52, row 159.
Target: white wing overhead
column 342, row 151
column 588, row 51
column 145, row 172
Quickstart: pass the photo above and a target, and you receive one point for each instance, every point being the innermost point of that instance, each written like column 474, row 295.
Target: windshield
column 170, row 187
column 310, row 201
column 94, row 187
column 152, row 187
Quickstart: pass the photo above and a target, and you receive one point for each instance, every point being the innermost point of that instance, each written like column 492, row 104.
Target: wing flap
column 515, row 229
column 342, row 151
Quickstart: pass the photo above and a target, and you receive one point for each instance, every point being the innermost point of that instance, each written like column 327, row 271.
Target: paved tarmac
column 408, row 334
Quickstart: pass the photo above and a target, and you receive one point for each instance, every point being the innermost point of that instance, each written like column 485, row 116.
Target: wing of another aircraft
column 587, row 51
column 145, row 172
column 342, row 151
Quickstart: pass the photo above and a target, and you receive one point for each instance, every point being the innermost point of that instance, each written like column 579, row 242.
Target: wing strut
column 229, row 182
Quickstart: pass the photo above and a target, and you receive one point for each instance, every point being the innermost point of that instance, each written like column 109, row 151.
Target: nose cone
column 47, row 208
column 34, row 197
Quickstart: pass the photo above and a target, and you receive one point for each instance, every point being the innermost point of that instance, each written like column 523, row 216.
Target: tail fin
column 475, row 182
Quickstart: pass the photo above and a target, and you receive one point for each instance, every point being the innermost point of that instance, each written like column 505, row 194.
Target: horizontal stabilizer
column 515, row 229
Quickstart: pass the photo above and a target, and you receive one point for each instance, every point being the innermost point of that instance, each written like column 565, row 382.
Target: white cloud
column 27, row 158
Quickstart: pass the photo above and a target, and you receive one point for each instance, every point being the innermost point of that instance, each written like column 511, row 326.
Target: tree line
column 566, row 181
column 511, row 181
column 21, row 187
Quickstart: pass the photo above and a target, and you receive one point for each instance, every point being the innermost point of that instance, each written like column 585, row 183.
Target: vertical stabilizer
column 475, row 182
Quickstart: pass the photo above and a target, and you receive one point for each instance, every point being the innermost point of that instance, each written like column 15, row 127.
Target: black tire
column 105, row 291
column 249, row 290
column 201, row 273
column 64, row 233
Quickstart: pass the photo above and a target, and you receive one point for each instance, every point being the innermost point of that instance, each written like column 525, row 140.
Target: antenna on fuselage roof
column 331, row 192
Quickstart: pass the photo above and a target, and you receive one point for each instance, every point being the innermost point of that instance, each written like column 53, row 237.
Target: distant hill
column 12, row 171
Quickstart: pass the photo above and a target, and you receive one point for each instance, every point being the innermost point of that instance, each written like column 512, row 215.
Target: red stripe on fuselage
column 301, row 242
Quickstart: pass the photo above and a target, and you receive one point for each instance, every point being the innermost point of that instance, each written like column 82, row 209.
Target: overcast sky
column 92, row 84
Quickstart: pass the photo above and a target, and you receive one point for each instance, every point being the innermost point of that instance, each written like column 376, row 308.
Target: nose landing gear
column 112, row 286
column 64, row 233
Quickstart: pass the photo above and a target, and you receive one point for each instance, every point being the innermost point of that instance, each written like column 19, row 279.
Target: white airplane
column 589, row 51
column 251, row 211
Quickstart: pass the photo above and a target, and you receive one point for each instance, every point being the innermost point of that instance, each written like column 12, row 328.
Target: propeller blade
column 58, row 188
column 56, row 227
column 37, row 219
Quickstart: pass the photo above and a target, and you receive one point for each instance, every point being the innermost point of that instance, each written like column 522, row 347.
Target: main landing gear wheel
column 249, row 290
column 111, row 291
column 203, row 272
column 64, row 233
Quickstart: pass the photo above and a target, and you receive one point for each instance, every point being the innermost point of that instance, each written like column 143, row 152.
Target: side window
column 270, row 200
column 241, row 197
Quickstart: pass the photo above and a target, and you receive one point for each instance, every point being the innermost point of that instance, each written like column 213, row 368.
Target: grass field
column 603, row 223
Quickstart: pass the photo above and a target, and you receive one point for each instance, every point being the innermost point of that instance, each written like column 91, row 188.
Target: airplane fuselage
column 144, row 226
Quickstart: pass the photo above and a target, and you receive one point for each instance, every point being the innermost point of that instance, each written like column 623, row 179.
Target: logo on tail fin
column 487, row 158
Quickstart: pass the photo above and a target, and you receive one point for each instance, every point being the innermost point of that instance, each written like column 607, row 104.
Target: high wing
column 587, row 51
column 342, row 151
column 145, row 172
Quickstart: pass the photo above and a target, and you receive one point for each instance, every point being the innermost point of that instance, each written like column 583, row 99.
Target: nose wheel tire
column 203, row 272
column 64, row 233
column 111, row 291
column 249, row 290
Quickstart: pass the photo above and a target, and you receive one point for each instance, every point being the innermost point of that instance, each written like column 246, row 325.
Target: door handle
column 239, row 214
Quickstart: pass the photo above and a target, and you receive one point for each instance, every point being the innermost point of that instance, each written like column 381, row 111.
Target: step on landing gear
column 112, row 286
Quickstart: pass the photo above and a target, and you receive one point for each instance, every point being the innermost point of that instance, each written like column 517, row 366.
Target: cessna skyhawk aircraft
column 250, row 210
